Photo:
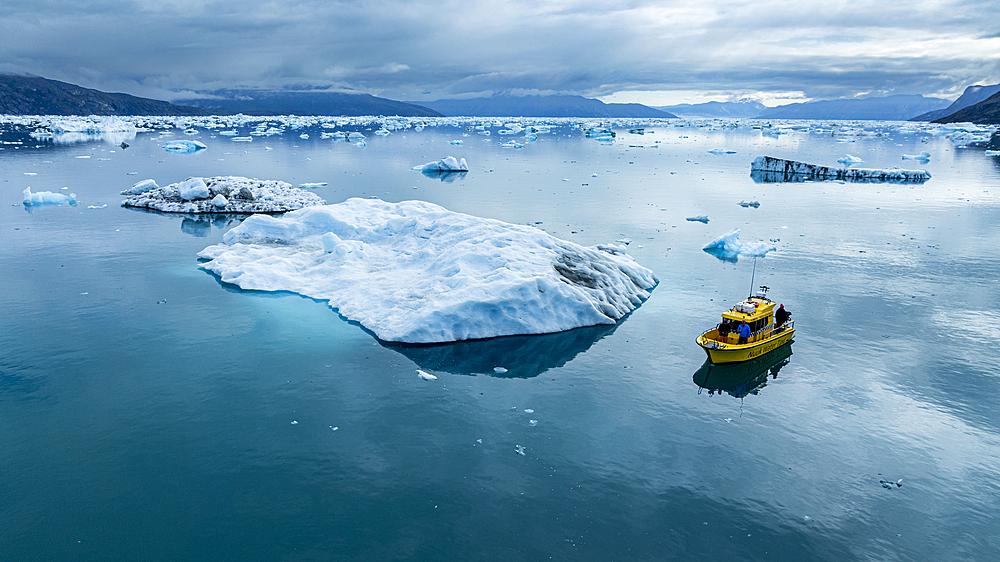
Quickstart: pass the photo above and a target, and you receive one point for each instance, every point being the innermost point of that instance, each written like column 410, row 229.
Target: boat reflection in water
column 740, row 379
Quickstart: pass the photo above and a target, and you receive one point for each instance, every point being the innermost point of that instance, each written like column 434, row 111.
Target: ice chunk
column 313, row 185
column 242, row 139
column 721, row 151
column 923, row 156
column 192, row 188
column 848, row 160
column 729, row 248
column 754, row 204
column 243, row 195
column 768, row 169
column 699, row 218
column 142, row 187
column 993, row 152
column 456, row 142
column 446, row 164
column 184, row 146
column 46, row 198
column 220, row 201
column 426, row 376
column 519, row 449
column 415, row 272
column 499, row 370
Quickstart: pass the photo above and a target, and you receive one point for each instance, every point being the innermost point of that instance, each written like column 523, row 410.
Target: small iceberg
column 699, row 218
column 202, row 195
column 46, row 198
column 721, row 151
column 184, row 146
column 993, row 153
column 923, row 156
column 415, row 272
column 848, row 160
column 769, row 169
column 313, row 185
column 447, row 164
column 729, row 248
column 754, row 204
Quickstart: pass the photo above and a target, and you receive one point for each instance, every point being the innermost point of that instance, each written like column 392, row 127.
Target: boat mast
column 752, row 276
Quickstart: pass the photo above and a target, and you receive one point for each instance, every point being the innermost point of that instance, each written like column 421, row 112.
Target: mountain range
column 304, row 102
column 34, row 95
column 542, row 106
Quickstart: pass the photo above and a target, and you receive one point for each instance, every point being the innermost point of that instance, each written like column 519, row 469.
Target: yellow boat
column 758, row 312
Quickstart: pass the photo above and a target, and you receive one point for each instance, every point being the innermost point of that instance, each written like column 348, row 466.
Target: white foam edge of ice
column 415, row 272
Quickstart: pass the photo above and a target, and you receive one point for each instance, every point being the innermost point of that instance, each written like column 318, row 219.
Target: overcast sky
column 654, row 52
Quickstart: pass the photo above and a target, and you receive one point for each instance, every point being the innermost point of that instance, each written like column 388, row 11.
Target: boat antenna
column 752, row 275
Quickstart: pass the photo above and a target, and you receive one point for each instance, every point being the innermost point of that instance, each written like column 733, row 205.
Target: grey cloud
column 434, row 49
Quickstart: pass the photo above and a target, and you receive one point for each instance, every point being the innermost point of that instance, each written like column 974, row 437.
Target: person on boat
column 723, row 331
column 781, row 316
column 743, row 331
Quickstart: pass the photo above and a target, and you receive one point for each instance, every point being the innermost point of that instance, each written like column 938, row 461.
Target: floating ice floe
column 426, row 376
column 993, row 152
column 313, row 185
column 447, row 164
column 46, row 198
column 729, row 248
column 184, row 146
column 699, row 218
column 848, row 160
column 456, row 142
column 721, row 151
column 754, row 204
column 768, row 169
column 415, row 272
column 923, row 156
column 202, row 195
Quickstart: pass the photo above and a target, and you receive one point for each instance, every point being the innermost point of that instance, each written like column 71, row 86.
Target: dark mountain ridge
column 986, row 112
column 971, row 96
column 34, row 95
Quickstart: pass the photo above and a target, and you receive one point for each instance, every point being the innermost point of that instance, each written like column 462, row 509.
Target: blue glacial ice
column 46, row 198
column 184, row 146
column 729, row 248
column 447, row 164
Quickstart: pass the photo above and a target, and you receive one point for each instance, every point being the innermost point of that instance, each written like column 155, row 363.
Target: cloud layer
column 421, row 50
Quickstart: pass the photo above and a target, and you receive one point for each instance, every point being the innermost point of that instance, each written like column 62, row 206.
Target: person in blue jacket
column 743, row 331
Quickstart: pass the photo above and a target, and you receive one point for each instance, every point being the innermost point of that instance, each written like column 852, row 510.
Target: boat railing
column 759, row 335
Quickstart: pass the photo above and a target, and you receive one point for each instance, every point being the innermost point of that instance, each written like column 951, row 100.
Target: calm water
column 149, row 412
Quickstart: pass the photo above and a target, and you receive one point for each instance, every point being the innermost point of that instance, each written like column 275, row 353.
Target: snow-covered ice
column 426, row 376
column 184, row 146
column 46, row 198
column 143, row 186
column 699, row 218
column 729, row 248
column 848, row 160
column 239, row 195
column 415, row 272
column 446, row 164
column 769, row 169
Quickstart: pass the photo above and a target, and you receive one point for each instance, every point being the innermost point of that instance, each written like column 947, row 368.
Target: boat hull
column 719, row 352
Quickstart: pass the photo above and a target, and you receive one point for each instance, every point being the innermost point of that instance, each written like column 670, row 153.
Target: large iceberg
column 221, row 194
column 768, row 169
column 729, row 248
column 415, row 272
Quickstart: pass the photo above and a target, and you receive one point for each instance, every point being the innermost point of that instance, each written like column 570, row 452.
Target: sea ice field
column 152, row 409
